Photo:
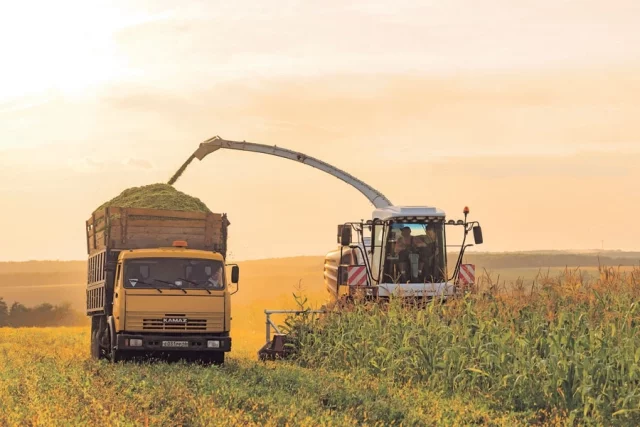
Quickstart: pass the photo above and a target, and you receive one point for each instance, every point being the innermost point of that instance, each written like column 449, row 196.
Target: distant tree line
column 18, row 315
column 526, row 260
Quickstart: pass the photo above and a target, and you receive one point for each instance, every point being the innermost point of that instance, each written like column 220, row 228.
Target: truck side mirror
column 477, row 235
column 345, row 236
column 235, row 274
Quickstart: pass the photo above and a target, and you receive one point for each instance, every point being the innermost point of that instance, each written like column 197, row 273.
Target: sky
column 526, row 113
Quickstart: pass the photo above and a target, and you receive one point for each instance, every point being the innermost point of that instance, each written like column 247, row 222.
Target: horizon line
column 530, row 251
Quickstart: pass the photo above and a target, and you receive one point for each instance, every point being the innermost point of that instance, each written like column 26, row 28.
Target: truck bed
column 133, row 228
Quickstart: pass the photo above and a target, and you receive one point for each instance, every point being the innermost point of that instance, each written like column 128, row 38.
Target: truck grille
column 161, row 325
column 169, row 322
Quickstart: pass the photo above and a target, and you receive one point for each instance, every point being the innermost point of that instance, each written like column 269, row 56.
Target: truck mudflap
column 172, row 343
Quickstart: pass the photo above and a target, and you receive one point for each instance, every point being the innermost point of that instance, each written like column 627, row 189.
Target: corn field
column 564, row 344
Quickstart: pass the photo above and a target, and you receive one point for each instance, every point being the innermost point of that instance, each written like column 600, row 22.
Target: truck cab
column 164, row 300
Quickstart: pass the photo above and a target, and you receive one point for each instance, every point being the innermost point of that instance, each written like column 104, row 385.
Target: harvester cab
column 402, row 251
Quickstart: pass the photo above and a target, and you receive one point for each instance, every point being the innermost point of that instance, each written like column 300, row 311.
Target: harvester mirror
column 235, row 274
column 477, row 235
column 345, row 236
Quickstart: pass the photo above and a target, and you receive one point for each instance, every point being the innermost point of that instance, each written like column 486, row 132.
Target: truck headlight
column 135, row 343
column 213, row 344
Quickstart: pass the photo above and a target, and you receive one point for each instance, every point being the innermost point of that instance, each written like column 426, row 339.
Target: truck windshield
column 416, row 252
column 173, row 273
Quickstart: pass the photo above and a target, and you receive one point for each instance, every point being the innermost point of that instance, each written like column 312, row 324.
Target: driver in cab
column 407, row 243
column 210, row 276
column 215, row 279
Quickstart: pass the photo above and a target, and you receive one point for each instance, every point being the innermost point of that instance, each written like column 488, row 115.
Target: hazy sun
column 63, row 46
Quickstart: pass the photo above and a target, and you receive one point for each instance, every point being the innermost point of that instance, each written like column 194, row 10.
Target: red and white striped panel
column 467, row 274
column 357, row 275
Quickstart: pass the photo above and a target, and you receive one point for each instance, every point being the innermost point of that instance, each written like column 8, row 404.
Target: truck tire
column 217, row 358
column 96, row 351
column 115, row 356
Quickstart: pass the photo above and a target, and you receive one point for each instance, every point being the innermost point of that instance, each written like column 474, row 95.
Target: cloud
column 137, row 163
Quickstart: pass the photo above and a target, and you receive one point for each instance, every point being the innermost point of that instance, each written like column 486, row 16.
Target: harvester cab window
column 417, row 254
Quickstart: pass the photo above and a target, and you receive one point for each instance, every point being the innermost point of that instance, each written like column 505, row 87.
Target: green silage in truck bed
column 156, row 196
column 155, row 216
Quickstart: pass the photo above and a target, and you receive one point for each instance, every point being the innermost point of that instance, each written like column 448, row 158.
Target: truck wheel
column 216, row 358
column 212, row 359
column 114, row 355
column 117, row 356
column 96, row 351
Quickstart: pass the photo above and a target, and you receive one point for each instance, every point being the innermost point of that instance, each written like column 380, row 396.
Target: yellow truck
column 157, row 284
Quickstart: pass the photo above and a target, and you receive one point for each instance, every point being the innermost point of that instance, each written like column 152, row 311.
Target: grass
column 47, row 378
column 570, row 345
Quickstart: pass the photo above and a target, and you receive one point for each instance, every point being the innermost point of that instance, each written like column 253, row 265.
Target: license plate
column 175, row 343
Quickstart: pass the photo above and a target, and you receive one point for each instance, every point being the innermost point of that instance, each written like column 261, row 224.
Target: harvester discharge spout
column 216, row 143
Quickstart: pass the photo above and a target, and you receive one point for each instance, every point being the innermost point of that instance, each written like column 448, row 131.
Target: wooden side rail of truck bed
column 132, row 228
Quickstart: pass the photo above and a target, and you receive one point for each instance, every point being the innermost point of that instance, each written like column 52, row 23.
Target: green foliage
column 570, row 347
column 156, row 196
column 4, row 313
column 41, row 315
